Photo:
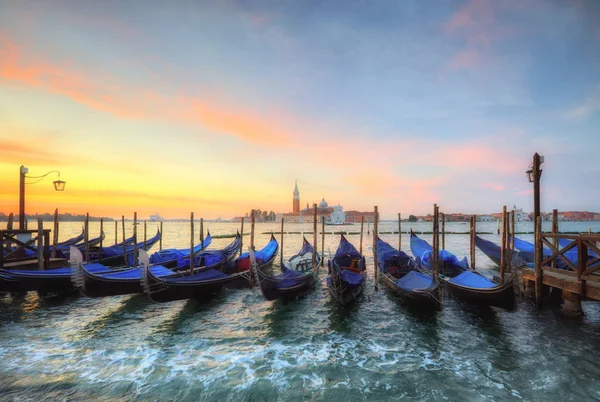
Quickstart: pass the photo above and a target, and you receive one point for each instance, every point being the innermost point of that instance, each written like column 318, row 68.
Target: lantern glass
column 59, row 185
column 530, row 175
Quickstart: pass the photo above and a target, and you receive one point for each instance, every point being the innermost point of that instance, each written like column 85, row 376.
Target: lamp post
column 59, row 185
column 534, row 174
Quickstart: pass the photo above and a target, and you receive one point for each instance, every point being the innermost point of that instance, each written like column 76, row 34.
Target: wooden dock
column 582, row 278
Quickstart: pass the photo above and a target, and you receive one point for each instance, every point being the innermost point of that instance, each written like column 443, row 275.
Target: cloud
column 111, row 94
column 493, row 186
column 586, row 108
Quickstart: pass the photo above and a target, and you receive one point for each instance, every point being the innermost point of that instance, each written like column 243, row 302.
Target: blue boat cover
column 450, row 263
column 54, row 272
column 352, row 278
column 207, row 275
column 472, row 280
column 414, row 280
column 290, row 278
column 171, row 254
column 265, row 254
column 388, row 255
column 345, row 248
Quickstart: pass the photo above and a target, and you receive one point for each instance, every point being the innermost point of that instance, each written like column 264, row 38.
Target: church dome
column 323, row 203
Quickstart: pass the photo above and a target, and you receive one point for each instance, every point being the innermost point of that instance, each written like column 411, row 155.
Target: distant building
column 334, row 214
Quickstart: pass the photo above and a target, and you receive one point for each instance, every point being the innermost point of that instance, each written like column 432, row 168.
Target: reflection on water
column 238, row 346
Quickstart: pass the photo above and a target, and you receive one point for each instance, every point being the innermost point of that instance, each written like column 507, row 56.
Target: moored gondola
column 117, row 256
column 494, row 253
column 402, row 275
column 296, row 278
column 112, row 282
column 347, row 273
column 464, row 283
column 204, row 283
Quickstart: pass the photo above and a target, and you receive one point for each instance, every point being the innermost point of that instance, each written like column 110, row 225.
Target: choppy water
column 240, row 347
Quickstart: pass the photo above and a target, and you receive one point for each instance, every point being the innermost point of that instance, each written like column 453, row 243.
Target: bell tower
column 296, row 202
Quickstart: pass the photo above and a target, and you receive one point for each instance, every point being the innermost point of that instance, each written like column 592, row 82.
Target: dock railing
column 579, row 277
column 37, row 241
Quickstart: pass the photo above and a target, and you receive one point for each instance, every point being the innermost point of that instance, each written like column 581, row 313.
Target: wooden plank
column 561, row 235
column 559, row 271
column 592, row 245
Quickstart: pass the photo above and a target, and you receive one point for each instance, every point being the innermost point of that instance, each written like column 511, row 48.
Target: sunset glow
column 218, row 107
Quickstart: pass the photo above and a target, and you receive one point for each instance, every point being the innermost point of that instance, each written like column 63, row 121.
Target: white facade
column 338, row 215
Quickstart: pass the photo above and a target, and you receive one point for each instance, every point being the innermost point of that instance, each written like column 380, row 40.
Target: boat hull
column 425, row 299
column 502, row 296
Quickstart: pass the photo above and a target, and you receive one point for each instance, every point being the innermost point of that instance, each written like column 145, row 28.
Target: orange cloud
column 108, row 94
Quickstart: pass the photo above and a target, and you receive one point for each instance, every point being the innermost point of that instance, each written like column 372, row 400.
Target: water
column 240, row 347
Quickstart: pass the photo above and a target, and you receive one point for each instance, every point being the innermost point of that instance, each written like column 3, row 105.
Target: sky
column 217, row 107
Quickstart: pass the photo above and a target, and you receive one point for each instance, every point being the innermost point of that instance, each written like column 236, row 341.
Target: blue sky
column 396, row 104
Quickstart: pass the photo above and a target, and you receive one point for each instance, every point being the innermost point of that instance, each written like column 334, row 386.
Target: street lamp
column 534, row 173
column 59, row 185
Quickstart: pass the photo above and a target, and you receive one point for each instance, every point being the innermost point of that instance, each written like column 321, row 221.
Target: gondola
column 494, row 253
column 464, row 283
column 174, row 257
column 297, row 275
column 64, row 251
column 204, row 283
column 347, row 273
column 111, row 282
column 115, row 256
column 47, row 281
column 402, row 275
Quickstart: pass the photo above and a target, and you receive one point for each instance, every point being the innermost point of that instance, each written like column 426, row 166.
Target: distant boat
column 155, row 218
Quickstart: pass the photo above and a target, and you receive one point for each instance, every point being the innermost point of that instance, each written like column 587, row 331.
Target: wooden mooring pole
column 435, row 241
column 145, row 235
column 315, row 237
column 362, row 224
column 443, row 218
column 201, row 233
column 512, row 231
column 554, row 231
column 538, row 262
column 252, row 230
column 191, row 242
column 40, row 244
column 55, row 234
column 503, row 246
column 161, row 236
column 124, row 244
column 399, row 231
column 322, row 240
column 101, row 240
column 473, row 233
column 252, row 247
column 281, row 244
column 242, row 237
column 135, row 247
column 87, row 237
column 116, row 231
column 375, row 234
